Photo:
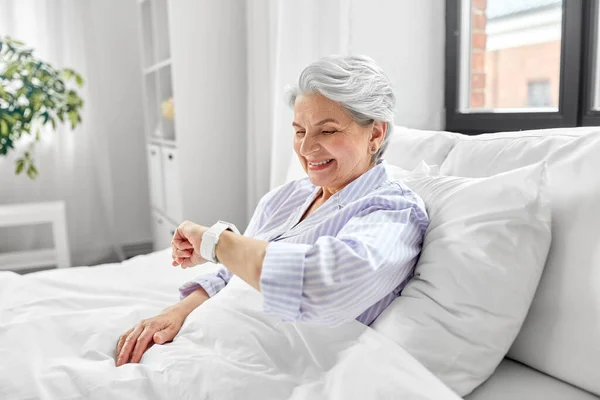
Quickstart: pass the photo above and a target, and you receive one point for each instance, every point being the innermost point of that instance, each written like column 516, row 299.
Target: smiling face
column 333, row 149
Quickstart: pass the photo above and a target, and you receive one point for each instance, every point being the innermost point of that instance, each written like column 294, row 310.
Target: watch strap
column 210, row 238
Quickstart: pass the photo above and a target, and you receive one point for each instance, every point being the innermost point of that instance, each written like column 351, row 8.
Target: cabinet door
column 155, row 172
column 171, row 184
column 162, row 231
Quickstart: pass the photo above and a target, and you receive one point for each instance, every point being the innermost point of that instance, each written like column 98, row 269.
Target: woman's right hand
column 160, row 329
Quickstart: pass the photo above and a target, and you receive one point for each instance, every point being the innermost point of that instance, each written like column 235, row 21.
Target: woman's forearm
column 242, row 255
column 191, row 302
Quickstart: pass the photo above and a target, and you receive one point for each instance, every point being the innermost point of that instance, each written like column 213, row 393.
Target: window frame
column 571, row 74
column 588, row 116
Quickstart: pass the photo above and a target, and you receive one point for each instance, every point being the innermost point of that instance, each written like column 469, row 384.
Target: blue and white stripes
column 347, row 260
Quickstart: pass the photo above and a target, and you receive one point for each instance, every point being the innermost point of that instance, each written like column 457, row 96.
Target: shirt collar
column 364, row 184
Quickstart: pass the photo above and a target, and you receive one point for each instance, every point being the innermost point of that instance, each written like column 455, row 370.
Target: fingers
column 122, row 341
column 130, row 341
column 142, row 342
column 181, row 249
column 166, row 335
column 179, row 256
column 187, row 263
column 181, row 244
column 181, row 253
column 181, row 235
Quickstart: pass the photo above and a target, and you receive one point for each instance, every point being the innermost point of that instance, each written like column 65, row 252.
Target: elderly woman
column 332, row 247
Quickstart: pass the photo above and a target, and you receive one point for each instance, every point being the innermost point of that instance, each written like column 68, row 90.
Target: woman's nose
column 309, row 145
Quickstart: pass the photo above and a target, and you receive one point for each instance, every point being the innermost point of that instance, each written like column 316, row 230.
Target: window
column 539, row 95
column 591, row 62
column 521, row 64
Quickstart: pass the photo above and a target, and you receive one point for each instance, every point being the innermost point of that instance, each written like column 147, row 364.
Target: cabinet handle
column 160, row 221
column 153, row 152
column 170, row 156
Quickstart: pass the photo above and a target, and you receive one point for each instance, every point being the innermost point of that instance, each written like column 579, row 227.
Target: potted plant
column 33, row 94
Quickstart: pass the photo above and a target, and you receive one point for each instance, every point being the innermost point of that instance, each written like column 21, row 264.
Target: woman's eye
column 300, row 133
column 329, row 132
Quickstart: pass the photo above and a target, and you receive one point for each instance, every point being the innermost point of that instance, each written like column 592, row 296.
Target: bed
column 58, row 328
column 58, row 331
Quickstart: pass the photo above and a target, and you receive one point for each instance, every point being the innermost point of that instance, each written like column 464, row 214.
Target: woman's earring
column 372, row 149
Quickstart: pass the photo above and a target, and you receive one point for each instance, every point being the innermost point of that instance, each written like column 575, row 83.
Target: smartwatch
column 210, row 238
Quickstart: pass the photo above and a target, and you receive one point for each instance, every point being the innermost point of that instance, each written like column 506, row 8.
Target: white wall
column 208, row 52
column 118, row 94
column 407, row 39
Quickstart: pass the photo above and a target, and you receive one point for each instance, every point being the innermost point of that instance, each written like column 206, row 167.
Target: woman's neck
column 326, row 193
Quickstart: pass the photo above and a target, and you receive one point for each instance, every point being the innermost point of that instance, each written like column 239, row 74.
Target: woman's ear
column 378, row 133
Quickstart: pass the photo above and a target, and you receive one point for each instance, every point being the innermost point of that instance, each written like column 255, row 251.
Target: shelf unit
column 197, row 161
column 161, row 138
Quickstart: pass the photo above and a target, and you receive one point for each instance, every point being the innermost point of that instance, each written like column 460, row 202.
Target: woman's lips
column 319, row 166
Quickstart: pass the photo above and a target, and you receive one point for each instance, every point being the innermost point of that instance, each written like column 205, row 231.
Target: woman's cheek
column 341, row 146
column 297, row 143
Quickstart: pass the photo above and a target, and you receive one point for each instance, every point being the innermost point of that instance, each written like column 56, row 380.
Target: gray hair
column 357, row 84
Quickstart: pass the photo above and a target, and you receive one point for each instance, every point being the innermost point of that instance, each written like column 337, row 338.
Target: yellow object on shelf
column 167, row 109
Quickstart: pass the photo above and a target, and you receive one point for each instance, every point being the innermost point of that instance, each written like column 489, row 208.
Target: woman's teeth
column 321, row 163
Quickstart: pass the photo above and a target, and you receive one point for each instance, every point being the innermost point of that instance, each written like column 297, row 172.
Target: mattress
column 516, row 381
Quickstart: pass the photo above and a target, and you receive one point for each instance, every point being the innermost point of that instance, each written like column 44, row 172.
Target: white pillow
column 482, row 258
column 561, row 334
column 421, row 170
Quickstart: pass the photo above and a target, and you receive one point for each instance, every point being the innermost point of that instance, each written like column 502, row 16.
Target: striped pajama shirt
column 349, row 259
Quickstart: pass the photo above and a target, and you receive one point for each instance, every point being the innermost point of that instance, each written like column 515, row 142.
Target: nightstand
column 37, row 213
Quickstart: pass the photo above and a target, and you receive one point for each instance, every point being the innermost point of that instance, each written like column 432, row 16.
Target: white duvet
column 58, row 331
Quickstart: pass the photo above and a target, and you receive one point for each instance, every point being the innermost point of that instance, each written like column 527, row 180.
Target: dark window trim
column 570, row 79
column 588, row 116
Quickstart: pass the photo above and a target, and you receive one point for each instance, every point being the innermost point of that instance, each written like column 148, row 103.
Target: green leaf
column 20, row 166
column 73, row 117
column 10, row 119
column 10, row 70
column 3, row 128
column 68, row 73
column 36, row 101
column 79, row 80
column 72, row 98
column 32, row 171
column 5, row 144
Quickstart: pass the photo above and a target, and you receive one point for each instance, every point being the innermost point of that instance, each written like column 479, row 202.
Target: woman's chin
column 319, row 180
column 321, row 175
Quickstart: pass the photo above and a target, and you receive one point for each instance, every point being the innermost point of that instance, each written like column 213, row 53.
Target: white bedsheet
column 58, row 331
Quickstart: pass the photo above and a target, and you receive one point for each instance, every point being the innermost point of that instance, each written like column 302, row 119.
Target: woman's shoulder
column 395, row 194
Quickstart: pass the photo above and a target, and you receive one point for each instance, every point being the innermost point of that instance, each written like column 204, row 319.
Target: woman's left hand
column 186, row 245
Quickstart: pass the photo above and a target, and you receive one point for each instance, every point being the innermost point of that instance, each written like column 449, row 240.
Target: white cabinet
column 171, row 183
column 163, row 172
column 155, row 176
column 162, row 231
